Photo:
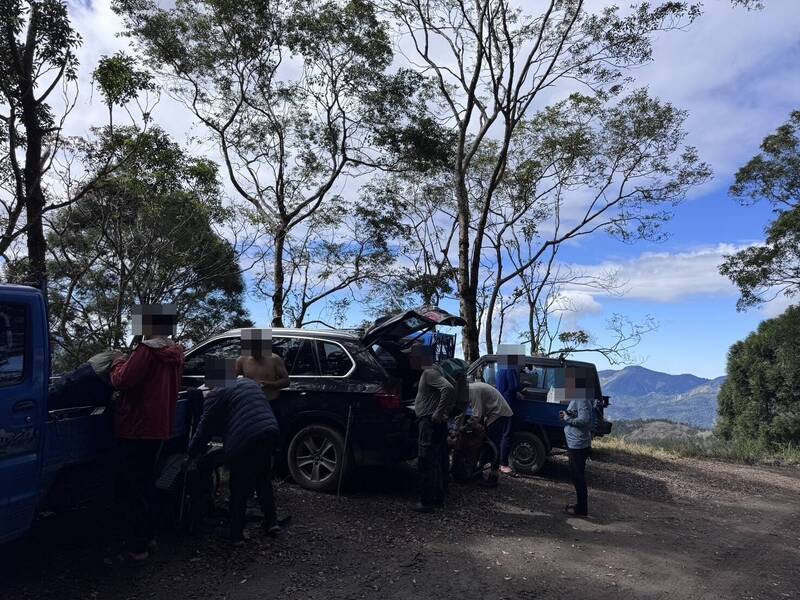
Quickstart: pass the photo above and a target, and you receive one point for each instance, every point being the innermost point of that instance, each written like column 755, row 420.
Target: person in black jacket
column 238, row 411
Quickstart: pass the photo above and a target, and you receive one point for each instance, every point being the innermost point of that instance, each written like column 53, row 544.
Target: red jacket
column 150, row 380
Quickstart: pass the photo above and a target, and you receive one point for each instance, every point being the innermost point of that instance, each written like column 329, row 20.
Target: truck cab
column 40, row 447
column 24, row 377
column 546, row 387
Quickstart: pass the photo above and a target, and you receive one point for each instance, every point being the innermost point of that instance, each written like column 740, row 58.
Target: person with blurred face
column 577, row 420
column 490, row 409
column 442, row 393
column 237, row 410
column 258, row 363
column 144, row 418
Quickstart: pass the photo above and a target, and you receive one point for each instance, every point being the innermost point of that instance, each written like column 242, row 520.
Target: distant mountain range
column 639, row 393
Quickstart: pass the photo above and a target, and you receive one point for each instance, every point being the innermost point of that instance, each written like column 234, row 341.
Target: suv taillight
column 388, row 399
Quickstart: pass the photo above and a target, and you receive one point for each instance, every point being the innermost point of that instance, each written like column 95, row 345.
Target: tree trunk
column 278, row 277
column 466, row 288
column 34, row 197
column 490, row 311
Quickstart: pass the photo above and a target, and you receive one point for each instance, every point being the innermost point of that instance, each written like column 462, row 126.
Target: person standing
column 508, row 384
column 239, row 412
column 440, row 393
column 258, row 363
column 144, row 418
column 577, row 421
column 490, row 408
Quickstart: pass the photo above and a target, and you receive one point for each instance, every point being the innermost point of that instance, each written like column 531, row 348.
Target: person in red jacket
column 144, row 418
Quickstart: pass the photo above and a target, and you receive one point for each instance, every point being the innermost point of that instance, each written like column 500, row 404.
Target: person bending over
column 238, row 411
column 491, row 410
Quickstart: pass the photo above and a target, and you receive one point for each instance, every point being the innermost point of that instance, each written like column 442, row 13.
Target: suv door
column 300, row 357
column 24, row 371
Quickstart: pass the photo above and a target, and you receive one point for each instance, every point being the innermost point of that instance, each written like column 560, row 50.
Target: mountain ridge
column 637, row 392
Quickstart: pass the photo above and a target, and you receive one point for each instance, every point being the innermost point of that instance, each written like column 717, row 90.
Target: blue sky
column 737, row 74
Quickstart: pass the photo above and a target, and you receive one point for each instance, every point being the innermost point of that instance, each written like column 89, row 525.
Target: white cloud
column 671, row 277
column 577, row 303
column 735, row 71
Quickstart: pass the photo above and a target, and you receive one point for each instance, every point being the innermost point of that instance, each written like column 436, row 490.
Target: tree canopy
column 765, row 271
column 151, row 232
column 760, row 400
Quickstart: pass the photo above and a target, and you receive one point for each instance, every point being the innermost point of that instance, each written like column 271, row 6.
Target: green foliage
column 297, row 95
column 773, row 174
column 766, row 271
column 37, row 49
column 760, row 400
column 52, row 45
column 37, row 53
column 150, row 232
column 119, row 79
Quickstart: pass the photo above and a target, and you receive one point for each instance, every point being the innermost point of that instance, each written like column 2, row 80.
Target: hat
column 454, row 368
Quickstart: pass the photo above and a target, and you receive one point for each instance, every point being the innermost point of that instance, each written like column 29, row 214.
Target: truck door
column 23, row 395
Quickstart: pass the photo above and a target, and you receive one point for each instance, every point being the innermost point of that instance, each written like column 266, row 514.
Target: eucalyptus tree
column 494, row 62
column 765, row 271
column 37, row 56
column 297, row 96
column 38, row 91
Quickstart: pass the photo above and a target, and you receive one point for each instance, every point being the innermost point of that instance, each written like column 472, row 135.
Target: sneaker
column 423, row 508
column 506, row 470
column 572, row 510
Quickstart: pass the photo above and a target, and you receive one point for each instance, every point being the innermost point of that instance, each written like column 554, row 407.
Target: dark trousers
column 433, row 462
column 251, row 471
column 577, row 469
column 134, row 486
column 500, row 434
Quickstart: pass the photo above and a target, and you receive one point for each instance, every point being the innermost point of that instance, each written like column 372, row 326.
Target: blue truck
column 546, row 386
column 39, row 446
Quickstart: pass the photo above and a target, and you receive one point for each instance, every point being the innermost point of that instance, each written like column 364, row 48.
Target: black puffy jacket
column 239, row 412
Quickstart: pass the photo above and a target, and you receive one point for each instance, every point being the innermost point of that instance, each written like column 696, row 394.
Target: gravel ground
column 659, row 529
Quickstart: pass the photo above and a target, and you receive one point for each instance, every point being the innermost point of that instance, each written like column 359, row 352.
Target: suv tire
column 527, row 453
column 317, row 457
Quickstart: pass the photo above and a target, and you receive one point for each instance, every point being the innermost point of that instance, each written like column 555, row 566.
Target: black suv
column 336, row 380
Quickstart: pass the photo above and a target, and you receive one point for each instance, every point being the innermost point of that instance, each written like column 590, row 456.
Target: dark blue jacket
column 239, row 412
column 507, row 384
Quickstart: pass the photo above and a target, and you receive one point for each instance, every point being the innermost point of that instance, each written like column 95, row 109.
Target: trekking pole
column 191, row 418
column 183, row 492
column 344, row 458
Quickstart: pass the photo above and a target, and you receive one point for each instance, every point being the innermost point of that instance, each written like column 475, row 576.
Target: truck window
column 538, row 378
column 13, row 325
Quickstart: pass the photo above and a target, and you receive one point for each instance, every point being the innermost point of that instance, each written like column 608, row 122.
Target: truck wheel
column 527, row 453
column 316, row 458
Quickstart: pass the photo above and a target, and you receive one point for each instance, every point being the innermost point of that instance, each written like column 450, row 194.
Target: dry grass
column 711, row 447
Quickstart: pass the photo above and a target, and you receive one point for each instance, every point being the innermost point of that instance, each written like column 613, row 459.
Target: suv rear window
column 333, row 359
column 12, row 343
column 300, row 358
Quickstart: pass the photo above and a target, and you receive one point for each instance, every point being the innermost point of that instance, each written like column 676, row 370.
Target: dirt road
column 660, row 529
